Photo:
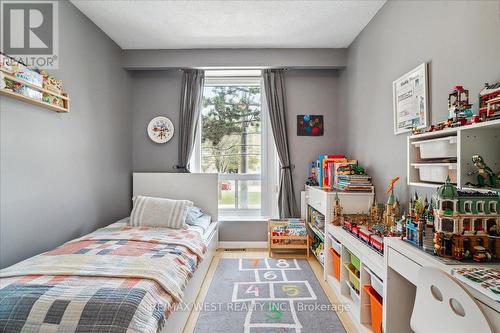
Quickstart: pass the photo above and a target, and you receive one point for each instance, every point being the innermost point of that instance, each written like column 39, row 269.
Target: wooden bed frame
column 202, row 190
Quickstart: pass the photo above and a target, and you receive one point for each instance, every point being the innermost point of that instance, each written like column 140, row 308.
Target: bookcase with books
column 287, row 234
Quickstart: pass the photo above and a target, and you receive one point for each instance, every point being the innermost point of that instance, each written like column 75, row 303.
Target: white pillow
column 159, row 212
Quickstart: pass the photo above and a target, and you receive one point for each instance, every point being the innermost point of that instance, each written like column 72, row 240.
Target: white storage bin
column 436, row 172
column 376, row 282
column 437, row 148
column 355, row 202
column 354, row 295
column 336, row 245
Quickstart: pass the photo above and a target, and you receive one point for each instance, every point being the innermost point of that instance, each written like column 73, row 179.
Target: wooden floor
column 315, row 266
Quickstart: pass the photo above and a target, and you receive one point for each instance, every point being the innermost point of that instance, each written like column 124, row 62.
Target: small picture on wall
column 310, row 125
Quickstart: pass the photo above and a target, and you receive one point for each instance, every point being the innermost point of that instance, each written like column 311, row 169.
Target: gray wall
column 64, row 175
column 311, row 92
column 154, row 93
column 308, row 92
column 461, row 42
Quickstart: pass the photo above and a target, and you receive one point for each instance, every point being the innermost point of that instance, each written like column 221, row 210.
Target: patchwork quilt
column 116, row 279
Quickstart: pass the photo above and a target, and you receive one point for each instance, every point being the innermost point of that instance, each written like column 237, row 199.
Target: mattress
column 116, row 279
column 205, row 233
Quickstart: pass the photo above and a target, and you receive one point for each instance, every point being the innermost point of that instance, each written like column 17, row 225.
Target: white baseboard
column 242, row 245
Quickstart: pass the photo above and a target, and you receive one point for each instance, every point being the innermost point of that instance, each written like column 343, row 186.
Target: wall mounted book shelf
column 16, row 87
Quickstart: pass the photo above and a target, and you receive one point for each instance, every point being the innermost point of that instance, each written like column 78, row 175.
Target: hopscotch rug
column 266, row 295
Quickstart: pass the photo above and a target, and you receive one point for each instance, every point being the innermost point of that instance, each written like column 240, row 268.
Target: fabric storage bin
column 375, row 308
column 436, row 172
column 354, row 294
column 355, row 261
column 437, row 148
column 375, row 282
column 353, row 277
column 336, row 264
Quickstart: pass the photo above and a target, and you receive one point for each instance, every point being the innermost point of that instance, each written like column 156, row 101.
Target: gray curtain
column 274, row 87
column 191, row 95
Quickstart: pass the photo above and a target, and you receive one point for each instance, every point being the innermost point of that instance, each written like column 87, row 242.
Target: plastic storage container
column 436, row 172
column 354, row 295
column 353, row 277
column 336, row 245
column 437, row 148
column 375, row 308
column 336, row 264
column 375, row 282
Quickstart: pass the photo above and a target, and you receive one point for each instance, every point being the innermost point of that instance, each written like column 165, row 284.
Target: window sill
column 232, row 218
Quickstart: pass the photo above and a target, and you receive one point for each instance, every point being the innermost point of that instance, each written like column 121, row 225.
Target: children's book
column 326, row 172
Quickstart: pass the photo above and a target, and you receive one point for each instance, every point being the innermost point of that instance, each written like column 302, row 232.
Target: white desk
column 402, row 263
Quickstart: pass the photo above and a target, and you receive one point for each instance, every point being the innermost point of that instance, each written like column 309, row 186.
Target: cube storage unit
column 433, row 156
column 317, row 202
column 360, row 266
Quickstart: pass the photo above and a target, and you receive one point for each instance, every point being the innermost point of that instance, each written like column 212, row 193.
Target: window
column 490, row 224
column 493, row 207
column 234, row 141
column 480, row 207
column 478, row 225
column 447, row 225
column 447, row 206
column 468, row 207
column 466, row 225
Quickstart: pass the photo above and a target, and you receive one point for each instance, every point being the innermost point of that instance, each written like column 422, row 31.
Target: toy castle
column 466, row 224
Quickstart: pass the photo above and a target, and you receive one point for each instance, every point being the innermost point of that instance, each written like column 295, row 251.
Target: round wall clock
column 160, row 129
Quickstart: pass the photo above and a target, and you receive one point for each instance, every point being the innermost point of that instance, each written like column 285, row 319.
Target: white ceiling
column 179, row 24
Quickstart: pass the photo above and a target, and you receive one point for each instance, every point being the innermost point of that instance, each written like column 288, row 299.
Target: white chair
column 443, row 305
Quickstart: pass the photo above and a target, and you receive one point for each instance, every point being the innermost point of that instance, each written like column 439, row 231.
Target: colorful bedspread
column 116, row 279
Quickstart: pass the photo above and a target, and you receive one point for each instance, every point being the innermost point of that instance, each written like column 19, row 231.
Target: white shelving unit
column 476, row 139
column 323, row 201
column 369, row 259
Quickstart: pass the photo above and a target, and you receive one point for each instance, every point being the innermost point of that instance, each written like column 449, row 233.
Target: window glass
column 231, row 143
column 447, row 225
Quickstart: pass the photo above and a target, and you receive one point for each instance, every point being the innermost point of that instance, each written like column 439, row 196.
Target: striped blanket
column 116, row 279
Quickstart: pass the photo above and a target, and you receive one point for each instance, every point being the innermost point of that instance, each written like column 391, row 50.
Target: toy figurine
column 485, row 176
column 489, row 102
column 312, row 180
column 459, row 107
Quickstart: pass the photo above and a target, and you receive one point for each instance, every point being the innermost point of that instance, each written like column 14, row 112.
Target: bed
column 118, row 278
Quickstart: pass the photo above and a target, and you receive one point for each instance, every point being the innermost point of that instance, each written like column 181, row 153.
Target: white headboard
column 200, row 188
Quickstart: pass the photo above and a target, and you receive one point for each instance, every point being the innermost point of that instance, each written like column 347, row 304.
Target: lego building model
column 337, row 211
column 371, row 228
column 459, row 107
column 489, row 102
column 391, row 212
column 419, row 224
column 466, row 224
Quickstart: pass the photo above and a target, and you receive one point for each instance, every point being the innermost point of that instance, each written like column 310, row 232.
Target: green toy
column 485, row 176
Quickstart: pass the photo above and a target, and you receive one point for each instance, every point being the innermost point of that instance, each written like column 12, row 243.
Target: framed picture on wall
column 310, row 125
column 409, row 95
